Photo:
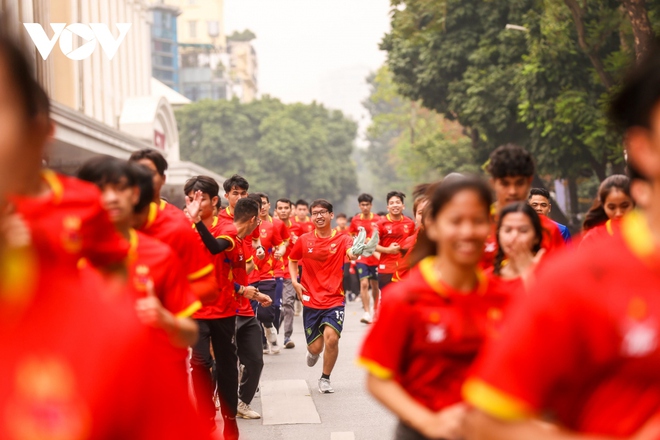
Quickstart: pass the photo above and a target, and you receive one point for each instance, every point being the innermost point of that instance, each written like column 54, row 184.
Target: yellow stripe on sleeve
column 375, row 369
column 188, row 311
column 200, row 273
column 495, row 402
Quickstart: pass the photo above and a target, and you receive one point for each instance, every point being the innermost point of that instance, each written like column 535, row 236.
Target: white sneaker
column 325, row 387
column 271, row 335
column 312, row 359
column 366, row 318
column 246, row 412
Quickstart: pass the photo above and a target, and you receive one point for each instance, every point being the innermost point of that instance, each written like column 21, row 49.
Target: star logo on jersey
column 71, row 237
column 436, row 333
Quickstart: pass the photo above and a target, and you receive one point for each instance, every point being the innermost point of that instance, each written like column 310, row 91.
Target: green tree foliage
column 286, row 150
column 409, row 144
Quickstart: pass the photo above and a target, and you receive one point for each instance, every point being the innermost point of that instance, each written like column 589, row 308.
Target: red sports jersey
column 427, row 334
column 225, row 216
column 323, row 260
column 227, row 303
column 552, row 241
column 70, row 223
column 151, row 259
column 287, row 234
column 304, row 227
column 370, row 225
column 173, row 228
column 81, row 365
column 403, row 263
column 391, row 232
column 597, row 233
column 583, row 346
column 269, row 235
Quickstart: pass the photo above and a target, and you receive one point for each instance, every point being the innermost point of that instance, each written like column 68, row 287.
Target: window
column 192, row 28
column 213, row 28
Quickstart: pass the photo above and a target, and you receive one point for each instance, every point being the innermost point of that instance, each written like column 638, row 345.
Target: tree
column 294, row 150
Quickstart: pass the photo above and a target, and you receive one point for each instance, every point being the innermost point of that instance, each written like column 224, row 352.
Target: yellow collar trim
column 153, row 214
column 54, row 183
column 334, row 232
column 637, row 235
column 428, row 273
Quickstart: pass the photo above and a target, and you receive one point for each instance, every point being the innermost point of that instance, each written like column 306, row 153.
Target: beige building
column 201, row 22
column 244, row 69
column 103, row 106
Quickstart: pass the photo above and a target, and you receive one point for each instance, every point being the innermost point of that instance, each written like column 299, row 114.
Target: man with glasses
column 322, row 253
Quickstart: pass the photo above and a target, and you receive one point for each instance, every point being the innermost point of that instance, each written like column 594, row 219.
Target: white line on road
column 287, row 402
column 342, row 436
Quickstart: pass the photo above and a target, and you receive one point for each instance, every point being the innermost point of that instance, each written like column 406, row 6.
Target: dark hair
column 536, row 224
column 154, row 156
column 263, row 196
column 20, row 71
column 245, row 209
column 284, row 200
column 205, row 184
column 302, row 202
column 596, row 214
column 341, row 215
column 381, row 213
column 322, row 203
column 255, row 197
column 443, row 194
column 103, row 170
column 539, row 192
column 365, row 198
column 235, row 181
column 510, row 161
column 398, row 194
column 634, row 102
column 420, row 190
column 218, row 204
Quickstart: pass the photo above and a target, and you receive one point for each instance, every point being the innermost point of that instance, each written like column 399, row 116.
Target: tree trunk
column 641, row 25
column 578, row 14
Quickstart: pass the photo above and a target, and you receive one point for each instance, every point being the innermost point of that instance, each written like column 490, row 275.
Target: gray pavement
column 349, row 413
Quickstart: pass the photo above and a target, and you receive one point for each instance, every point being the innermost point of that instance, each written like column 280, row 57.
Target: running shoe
column 288, row 343
column 312, row 359
column 246, row 412
column 266, row 348
column 366, row 318
column 325, row 387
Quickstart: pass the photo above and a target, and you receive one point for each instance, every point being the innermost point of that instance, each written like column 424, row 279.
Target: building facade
column 164, row 45
column 244, row 69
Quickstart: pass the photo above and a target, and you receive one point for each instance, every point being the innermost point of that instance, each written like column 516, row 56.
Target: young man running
column 393, row 229
column 322, row 253
column 511, row 170
column 283, row 208
column 150, row 261
column 233, row 241
column 301, row 219
column 268, row 236
column 539, row 199
column 367, row 267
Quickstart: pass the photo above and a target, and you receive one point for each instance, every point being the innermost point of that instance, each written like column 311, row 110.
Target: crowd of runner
column 486, row 319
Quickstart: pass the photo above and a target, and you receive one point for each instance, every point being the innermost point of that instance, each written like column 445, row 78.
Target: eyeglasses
column 319, row 213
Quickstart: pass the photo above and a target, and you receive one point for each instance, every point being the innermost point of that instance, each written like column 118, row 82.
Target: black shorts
column 315, row 319
column 384, row 279
column 364, row 271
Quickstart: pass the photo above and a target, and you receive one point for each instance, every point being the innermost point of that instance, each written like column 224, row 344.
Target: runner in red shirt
column 403, row 265
column 229, row 242
column 393, row 229
column 584, row 347
column 150, row 261
column 302, row 222
column 322, row 254
column 511, row 170
column 613, row 202
column 432, row 324
column 283, row 208
column 267, row 237
column 367, row 267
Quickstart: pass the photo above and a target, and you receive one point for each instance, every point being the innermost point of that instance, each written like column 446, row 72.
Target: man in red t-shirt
column 230, row 244
column 367, row 267
column 393, row 229
column 152, row 265
column 322, row 254
column 302, row 222
column 283, row 209
column 583, row 346
column 511, row 170
column 267, row 237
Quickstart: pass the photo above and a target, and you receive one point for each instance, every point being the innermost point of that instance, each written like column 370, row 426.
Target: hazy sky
column 314, row 49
